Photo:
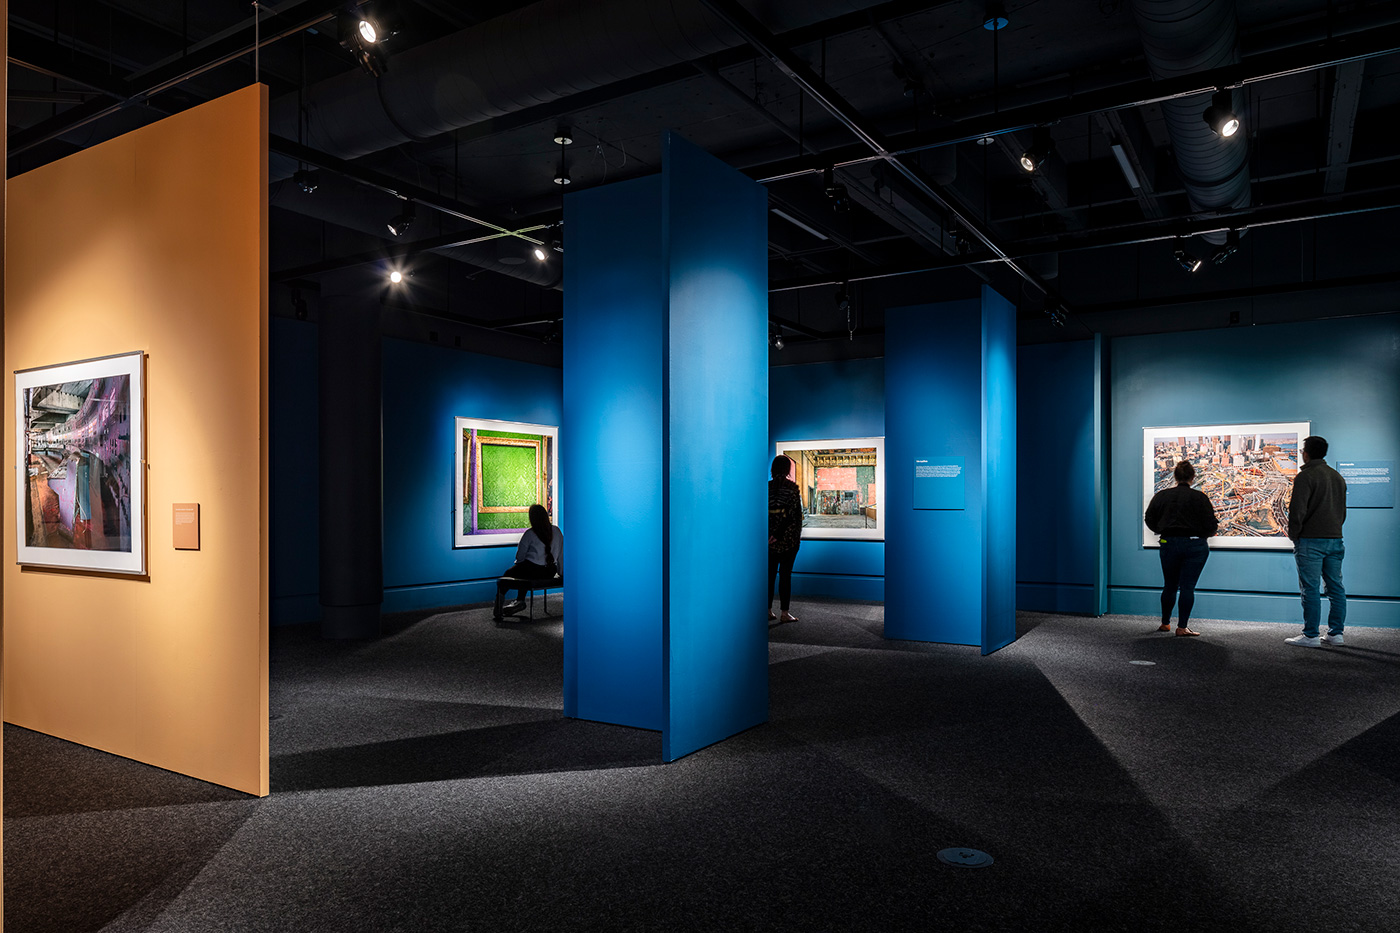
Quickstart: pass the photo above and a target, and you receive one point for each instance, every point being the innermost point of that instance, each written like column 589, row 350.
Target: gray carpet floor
column 427, row 781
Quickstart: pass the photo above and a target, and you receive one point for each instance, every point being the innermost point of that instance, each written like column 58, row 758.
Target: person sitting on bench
column 540, row 556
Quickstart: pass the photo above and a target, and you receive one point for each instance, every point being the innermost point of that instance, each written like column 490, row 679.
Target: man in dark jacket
column 1316, row 511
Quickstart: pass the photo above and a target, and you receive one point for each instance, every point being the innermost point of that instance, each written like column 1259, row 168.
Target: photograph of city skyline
column 1246, row 470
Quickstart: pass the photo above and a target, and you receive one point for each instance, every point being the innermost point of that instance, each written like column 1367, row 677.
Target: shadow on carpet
column 519, row 748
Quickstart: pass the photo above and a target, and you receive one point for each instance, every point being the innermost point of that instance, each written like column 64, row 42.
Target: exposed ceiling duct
column 540, row 53
column 1181, row 37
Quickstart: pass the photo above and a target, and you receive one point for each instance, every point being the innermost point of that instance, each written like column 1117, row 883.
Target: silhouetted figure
column 540, row 556
column 784, row 534
column 1185, row 519
column 1316, row 510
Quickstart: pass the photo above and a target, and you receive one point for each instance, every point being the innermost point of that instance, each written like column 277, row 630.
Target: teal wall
column 1342, row 375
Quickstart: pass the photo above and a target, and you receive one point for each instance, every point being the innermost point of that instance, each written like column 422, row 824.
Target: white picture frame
column 472, row 483
column 80, row 465
column 859, row 500
column 1247, row 471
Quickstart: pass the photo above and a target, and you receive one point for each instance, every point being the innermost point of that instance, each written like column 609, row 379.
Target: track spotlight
column 298, row 305
column 363, row 34
column 540, row 253
column 1230, row 247
column 1056, row 314
column 1221, row 115
column 305, row 180
column 403, row 221
column 396, row 277
column 1041, row 146
column 778, row 342
column 1184, row 259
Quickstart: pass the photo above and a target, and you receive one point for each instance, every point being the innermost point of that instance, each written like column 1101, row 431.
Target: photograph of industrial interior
column 329, row 323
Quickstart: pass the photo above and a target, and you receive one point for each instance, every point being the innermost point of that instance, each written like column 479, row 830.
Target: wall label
column 939, row 482
column 1369, row 483
column 185, row 526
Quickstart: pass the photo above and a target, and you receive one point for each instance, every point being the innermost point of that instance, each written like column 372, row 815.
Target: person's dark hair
column 1315, row 447
column 544, row 530
column 782, row 466
column 1184, row 472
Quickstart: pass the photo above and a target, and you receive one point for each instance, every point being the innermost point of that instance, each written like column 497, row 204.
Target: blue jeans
column 1183, row 559
column 1320, row 562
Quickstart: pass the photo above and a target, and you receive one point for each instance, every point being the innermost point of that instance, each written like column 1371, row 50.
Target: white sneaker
column 1335, row 641
column 1303, row 641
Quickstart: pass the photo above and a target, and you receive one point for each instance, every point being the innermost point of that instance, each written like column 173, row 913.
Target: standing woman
column 784, row 534
column 1184, row 518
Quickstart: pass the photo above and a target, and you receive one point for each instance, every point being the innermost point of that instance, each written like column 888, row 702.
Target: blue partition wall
column 612, row 477
column 425, row 389
column 715, row 228
column 814, row 401
column 998, row 470
column 950, row 393
column 1341, row 375
column 1055, row 540
column 665, row 360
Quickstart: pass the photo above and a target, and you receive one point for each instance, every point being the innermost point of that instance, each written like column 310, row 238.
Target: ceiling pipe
column 540, row 53
column 1182, row 37
column 1146, row 231
column 1375, row 43
column 764, row 42
column 349, row 205
column 215, row 52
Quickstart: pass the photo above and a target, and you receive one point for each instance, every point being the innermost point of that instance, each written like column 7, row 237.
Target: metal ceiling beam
column 1255, row 69
column 39, row 55
column 137, row 89
column 390, row 252
column 764, row 42
column 1125, row 130
column 402, row 189
column 1346, row 95
column 684, row 71
column 1253, row 291
column 1319, row 208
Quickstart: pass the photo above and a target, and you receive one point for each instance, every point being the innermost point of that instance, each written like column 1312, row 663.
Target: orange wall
column 4, row 146
column 154, row 241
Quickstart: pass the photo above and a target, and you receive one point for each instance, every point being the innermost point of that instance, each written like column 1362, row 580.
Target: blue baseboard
column 838, row 586
column 1075, row 598
column 1255, row 607
column 437, row 595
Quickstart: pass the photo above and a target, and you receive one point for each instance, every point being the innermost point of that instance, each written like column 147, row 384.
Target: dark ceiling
column 888, row 134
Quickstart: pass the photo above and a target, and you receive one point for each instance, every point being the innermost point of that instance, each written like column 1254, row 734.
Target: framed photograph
column 841, row 481
column 80, row 500
column 1247, row 471
column 503, row 468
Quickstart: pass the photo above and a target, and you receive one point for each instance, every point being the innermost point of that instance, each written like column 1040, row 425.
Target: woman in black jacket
column 784, row 534
column 1184, row 518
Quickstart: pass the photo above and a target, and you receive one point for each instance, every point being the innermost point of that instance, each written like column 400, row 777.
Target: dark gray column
column 352, row 516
